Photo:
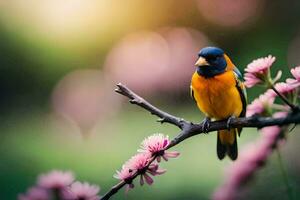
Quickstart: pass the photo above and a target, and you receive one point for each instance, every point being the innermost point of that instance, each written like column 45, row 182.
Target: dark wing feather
column 242, row 91
column 192, row 93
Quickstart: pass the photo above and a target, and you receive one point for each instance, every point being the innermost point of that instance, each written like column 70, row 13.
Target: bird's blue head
column 211, row 62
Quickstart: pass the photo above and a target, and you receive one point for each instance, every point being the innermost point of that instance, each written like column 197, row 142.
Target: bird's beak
column 201, row 62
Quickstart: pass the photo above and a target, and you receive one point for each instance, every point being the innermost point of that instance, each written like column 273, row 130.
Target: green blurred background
column 60, row 61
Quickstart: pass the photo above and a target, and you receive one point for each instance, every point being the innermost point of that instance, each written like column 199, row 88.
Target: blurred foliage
column 42, row 42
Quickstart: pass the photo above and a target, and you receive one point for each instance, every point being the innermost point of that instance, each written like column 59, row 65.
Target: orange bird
column 218, row 89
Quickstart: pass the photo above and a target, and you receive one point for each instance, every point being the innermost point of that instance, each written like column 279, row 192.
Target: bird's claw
column 205, row 125
column 229, row 121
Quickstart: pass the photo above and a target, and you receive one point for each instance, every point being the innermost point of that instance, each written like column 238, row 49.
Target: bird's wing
column 192, row 93
column 242, row 91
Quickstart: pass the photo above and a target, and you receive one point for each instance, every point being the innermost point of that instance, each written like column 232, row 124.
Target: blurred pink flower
column 81, row 191
column 230, row 13
column 85, row 97
column 139, row 60
column 296, row 73
column 270, row 134
column 183, row 44
column 285, row 88
column 155, row 144
column 251, row 158
column 35, row 193
column 281, row 114
column 261, row 104
column 152, row 62
column 55, row 179
column 293, row 84
column 258, row 71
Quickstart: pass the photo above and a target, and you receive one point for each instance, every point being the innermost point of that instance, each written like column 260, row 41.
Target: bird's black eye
column 212, row 58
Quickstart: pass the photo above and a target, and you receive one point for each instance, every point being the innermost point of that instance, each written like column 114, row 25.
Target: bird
column 219, row 92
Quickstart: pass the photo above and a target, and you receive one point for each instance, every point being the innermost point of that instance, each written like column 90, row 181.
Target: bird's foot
column 205, row 125
column 229, row 121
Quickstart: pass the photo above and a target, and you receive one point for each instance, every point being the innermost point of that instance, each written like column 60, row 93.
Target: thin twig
column 189, row 129
column 121, row 184
column 136, row 99
column 284, row 99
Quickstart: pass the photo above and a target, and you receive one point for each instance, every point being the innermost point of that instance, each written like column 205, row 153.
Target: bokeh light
column 84, row 97
column 230, row 13
column 152, row 62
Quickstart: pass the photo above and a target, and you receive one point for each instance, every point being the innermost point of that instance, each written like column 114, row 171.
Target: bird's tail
column 227, row 144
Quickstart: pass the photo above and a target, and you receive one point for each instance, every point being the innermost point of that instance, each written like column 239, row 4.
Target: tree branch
column 284, row 99
column 136, row 99
column 189, row 129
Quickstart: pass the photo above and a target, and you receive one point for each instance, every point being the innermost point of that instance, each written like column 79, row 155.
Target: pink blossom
column 35, row 193
column 81, row 191
column 296, row 73
column 155, row 145
column 293, row 83
column 251, row 80
column 224, row 12
column 271, row 133
column 139, row 164
column 260, row 65
column 241, row 171
column 280, row 114
column 139, row 161
column 251, row 158
column 167, row 49
column 258, row 71
column 285, row 88
column 55, row 179
column 261, row 104
column 124, row 174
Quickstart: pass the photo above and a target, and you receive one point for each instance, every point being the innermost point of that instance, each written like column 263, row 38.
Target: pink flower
column 285, row 88
column 251, row 159
column 270, row 134
column 81, row 191
column 55, row 179
column 124, row 174
column 241, row 171
column 261, row 104
column 260, row 65
column 35, row 193
column 280, row 114
column 139, row 164
column 155, row 145
column 258, row 71
column 251, row 80
column 139, row 161
column 296, row 73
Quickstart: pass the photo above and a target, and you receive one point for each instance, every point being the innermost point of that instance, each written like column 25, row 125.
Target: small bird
column 218, row 89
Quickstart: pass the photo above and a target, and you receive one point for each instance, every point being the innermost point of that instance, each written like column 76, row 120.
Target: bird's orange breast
column 218, row 96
